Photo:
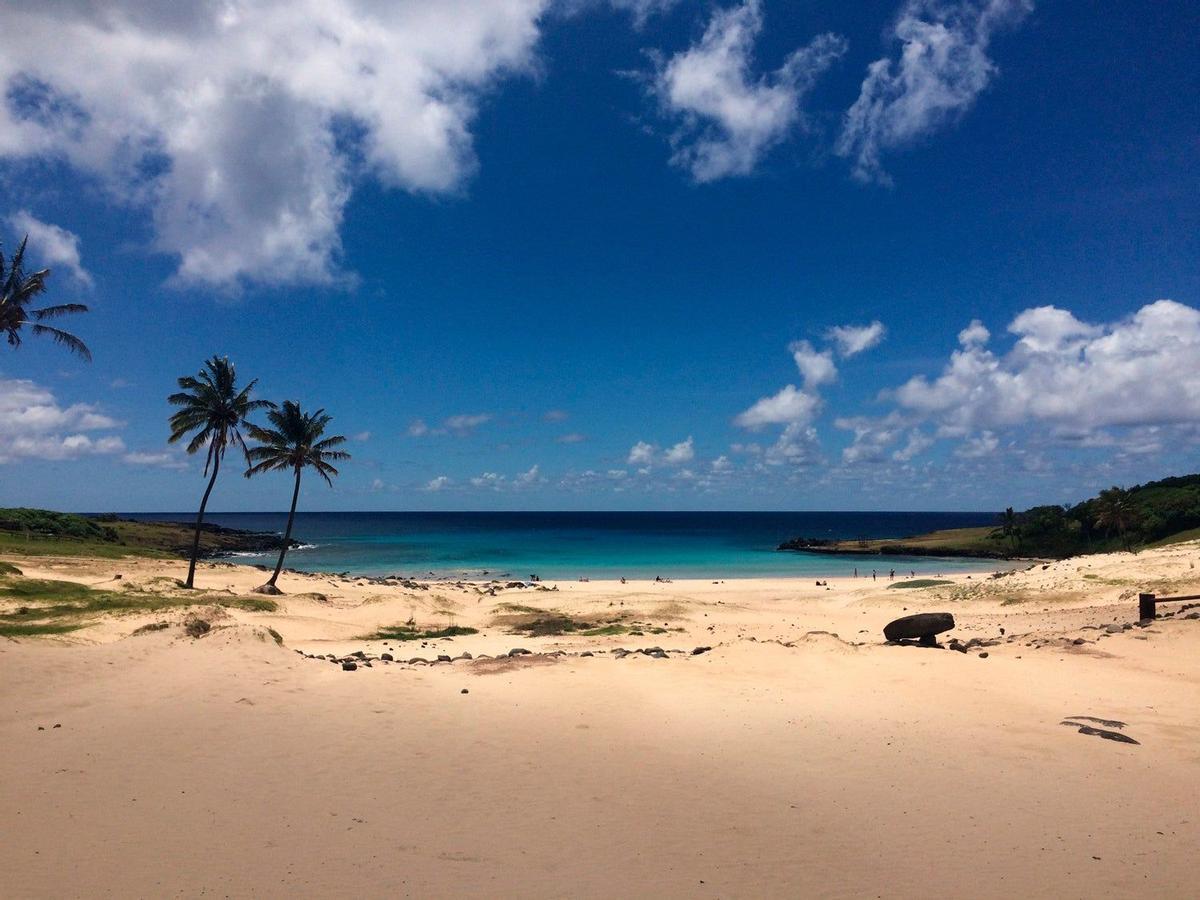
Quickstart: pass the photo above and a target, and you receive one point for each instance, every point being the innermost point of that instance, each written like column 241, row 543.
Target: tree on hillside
column 1011, row 528
column 1115, row 512
column 213, row 411
column 296, row 442
column 17, row 291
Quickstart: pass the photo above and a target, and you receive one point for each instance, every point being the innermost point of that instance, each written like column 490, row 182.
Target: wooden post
column 1146, row 607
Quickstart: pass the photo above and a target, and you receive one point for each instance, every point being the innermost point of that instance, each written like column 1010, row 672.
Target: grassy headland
column 41, row 532
column 1149, row 515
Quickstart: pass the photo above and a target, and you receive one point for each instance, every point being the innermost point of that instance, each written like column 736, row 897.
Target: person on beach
column 873, row 575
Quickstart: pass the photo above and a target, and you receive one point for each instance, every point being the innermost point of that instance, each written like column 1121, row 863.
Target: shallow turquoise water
column 595, row 545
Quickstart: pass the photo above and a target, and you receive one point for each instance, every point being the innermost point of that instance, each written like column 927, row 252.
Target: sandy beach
column 799, row 756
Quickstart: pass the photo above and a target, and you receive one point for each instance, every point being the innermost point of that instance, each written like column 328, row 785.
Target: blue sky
column 577, row 255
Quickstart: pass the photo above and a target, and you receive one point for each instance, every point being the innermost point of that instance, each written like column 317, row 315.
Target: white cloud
column 242, row 126
column 854, row 339
column 817, row 368
column 797, row 445
column 361, row 437
column 573, row 438
column 438, row 483
column 942, row 67
column 918, row 443
column 33, row 425
column 49, row 246
column 790, row 406
column 975, row 334
column 156, row 460
column 682, row 452
column 1064, row 372
column 417, row 428
column 720, row 465
column 730, row 118
column 983, row 444
column 525, row 479
column 640, row 454
column 465, row 424
column 555, row 415
column 491, row 480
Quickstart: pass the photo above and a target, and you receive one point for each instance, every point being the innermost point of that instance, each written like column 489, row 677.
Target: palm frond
column 68, row 340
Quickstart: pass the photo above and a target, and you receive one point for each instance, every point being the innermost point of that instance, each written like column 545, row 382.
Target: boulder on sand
column 923, row 627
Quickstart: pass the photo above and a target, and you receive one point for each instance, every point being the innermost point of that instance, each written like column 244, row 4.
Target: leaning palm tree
column 297, row 441
column 17, row 291
column 213, row 411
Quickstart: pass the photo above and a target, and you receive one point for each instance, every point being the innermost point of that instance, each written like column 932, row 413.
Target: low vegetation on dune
column 920, row 583
column 36, row 606
column 410, row 632
column 534, row 622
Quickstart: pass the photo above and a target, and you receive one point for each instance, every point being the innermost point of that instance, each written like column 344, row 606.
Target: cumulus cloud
column 241, row 127
column 438, row 483
column 854, row 339
column 640, row 454
column 791, row 406
column 34, row 425
column 941, row 67
column 682, row 452
column 1077, row 381
column 816, row 367
column 49, row 245
column 729, row 116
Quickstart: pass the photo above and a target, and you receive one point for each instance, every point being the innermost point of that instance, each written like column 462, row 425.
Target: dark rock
column 587, row 653
column 518, row 651
column 418, row 661
column 444, row 657
column 463, row 655
column 656, row 654
column 359, row 654
column 1114, row 629
column 920, row 626
column 983, row 655
column 269, row 589
column 349, row 666
column 698, row 650
column 464, row 691
column 386, row 657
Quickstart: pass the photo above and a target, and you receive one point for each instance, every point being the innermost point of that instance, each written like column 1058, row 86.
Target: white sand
column 781, row 763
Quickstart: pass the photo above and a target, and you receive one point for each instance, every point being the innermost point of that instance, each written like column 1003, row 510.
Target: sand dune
column 798, row 757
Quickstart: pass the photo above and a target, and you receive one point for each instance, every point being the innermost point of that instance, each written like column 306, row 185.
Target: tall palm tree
column 296, row 442
column 17, row 291
column 213, row 411
column 1011, row 528
column 1115, row 510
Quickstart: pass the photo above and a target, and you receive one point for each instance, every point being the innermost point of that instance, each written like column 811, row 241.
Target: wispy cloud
column 729, row 118
column 852, row 340
column 941, row 66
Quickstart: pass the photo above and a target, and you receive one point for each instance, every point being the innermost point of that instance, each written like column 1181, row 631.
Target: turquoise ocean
column 571, row 545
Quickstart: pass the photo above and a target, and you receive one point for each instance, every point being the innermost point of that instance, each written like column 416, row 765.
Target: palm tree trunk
column 191, row 576
column 287, row 535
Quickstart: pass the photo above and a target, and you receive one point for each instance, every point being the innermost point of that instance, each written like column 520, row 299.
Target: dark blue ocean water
column 567, row 545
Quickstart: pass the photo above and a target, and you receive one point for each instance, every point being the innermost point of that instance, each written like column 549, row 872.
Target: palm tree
column 1010, row 524
column 213, row 411
column 1115, row 509
column 17, row 290
column 295, row 442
